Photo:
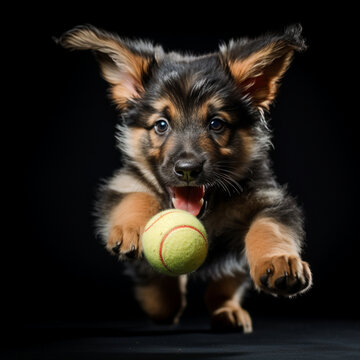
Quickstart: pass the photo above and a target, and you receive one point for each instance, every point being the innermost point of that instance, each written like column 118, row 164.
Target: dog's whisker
column 232, row 184
column 223, row 186
column 228, row 177
column 227, row 183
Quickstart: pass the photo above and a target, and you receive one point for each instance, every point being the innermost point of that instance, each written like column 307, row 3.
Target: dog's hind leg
column 222, row 298
column 163, row 298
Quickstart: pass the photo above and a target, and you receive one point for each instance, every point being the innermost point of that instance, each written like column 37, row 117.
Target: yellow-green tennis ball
column 175, row 242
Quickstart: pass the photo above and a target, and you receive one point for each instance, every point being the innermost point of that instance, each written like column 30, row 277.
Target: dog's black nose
column 188, row 169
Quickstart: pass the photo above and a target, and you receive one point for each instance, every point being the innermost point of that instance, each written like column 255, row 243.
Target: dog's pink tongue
column 188, row 198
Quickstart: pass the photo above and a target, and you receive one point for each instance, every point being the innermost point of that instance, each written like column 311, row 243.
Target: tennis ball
column 174, row 242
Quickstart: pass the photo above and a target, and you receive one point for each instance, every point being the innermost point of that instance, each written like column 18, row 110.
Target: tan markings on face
column 155, row 153
column 247, row 144
column 159, row 148
column 161, row 105
column 207, row 145
column 156, row 141
column 138, row 137
column 135, row 138
column 214, row 103
column 225, row 116
column 223, row 138
column 203, row 113
column 169, row 145
column 160, row 144
column 226, row 151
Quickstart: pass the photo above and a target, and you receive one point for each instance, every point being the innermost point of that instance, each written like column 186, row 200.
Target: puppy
column 194, row 136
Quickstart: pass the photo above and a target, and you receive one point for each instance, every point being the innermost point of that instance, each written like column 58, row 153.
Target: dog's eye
column 216, row 124
column 161, row 126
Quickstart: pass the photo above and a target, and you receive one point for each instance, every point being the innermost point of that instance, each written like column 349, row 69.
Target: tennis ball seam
column 168, row 233
column 160, row 217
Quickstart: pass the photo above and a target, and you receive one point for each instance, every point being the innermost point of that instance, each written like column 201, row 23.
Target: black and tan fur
column 205, row 115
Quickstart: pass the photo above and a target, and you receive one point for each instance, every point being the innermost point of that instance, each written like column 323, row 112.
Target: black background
column 64, row 144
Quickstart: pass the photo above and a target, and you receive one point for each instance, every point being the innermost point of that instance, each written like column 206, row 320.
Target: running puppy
column 194, row 136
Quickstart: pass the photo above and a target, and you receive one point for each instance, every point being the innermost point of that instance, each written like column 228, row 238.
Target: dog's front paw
column 124, row 241
column 285, row 275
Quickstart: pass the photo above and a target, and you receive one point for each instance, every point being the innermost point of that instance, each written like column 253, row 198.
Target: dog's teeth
column 173, row 201
column 202, row 201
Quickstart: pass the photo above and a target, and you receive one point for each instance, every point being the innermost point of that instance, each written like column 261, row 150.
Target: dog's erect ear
column 125, row 64
column 258, row 65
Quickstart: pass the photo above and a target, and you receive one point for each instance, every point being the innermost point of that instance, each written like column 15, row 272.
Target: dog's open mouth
column 189, row 198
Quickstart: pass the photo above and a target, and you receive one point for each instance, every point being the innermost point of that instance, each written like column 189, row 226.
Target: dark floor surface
column 192, row 339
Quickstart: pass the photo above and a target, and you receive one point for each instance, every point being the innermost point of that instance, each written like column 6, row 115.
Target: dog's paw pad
column 231, row 318
column 283, row 275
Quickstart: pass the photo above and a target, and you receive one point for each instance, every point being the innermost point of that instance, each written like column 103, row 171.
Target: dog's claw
column 131, row 254
column 116, row 248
